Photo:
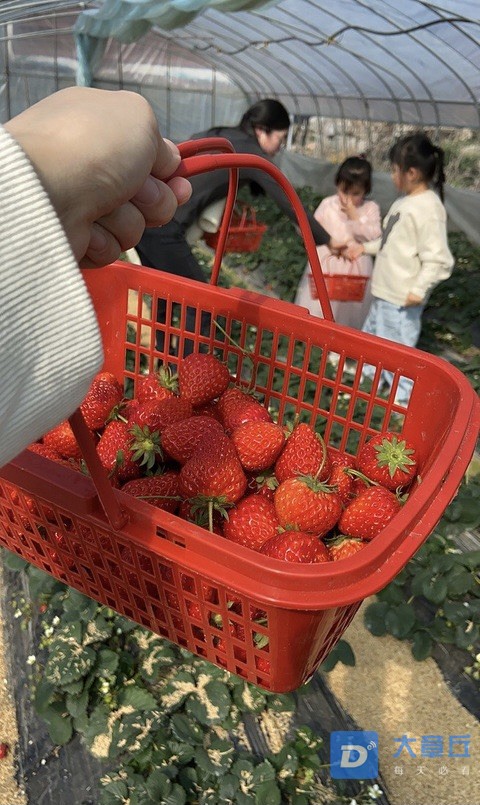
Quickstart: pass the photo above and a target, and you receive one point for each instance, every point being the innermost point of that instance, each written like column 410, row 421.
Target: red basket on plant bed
column 152, row 566
column 244, row 234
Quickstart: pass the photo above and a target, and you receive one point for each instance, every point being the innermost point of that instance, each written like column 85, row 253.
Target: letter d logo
column 354, row 755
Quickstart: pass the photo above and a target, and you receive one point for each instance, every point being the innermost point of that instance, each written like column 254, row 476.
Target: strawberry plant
column 436, row 598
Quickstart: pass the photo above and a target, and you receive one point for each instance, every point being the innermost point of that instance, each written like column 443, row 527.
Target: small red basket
column 341, row 287
column 268, row 621
column 244, row 235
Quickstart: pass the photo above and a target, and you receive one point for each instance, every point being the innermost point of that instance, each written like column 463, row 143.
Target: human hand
column 348, row 207
column 335, row 246
column 412, row 300
column 104, row 165
column 353, row 250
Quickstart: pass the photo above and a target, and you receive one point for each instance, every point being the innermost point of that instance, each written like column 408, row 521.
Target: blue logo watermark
column 354, row 755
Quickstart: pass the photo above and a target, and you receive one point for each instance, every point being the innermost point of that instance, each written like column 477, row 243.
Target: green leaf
column 138, row 698
column 44, row 693
column 177, row 796
column 158, row 785
column 59, row 724
column 422, row 645
column 268, row 794
column 14, row 562
column 263, row 773
column 215, row 709
column 186, row 729
column 400, row 620
column 459, row 582
column 107, row 661
column 375, row 618
column 435, row 590
column 77, row 705
column 249, row 698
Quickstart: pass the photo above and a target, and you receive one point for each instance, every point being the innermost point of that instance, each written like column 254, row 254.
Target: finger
column 167, row 159
column 126, row 225
column 103, row 248
column 158, row 202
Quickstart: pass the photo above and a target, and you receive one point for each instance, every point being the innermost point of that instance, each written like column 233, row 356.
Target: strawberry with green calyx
column 341, row 474
column 251, row 522
column 368, row 514
column 115, row 453
column 237, row 407
column 45, row 451
column 214, row 471
column 156, row 385
column 158, row 490
column 145, row 446
column 307, row 504
column 296, row 546
column 305, row 453
column 181, row 439
column 202, row 378
column 343, row 547
column 388, row 459
column 258, row 444
column 104, row 395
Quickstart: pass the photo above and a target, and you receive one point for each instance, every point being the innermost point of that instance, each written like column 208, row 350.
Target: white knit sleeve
column 50, row 345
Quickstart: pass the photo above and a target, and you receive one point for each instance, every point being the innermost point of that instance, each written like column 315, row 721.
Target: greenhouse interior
column 96, row 708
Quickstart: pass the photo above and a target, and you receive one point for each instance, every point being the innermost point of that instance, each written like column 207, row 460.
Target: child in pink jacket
column 348, row 217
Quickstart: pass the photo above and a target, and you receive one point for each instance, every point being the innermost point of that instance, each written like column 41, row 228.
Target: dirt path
column 392, row 694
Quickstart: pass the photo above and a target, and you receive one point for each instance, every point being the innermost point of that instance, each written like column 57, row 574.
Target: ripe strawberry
column 214, row 472
column 258, row 444
column 156, row 385
column 158, row 490
column 305, row 453
column 369, row 513
column 251, row 522
column 339, row 476
column 202, row 378
column 263, row 664
column 158, row 414
column 63, row 441
column 343, row 547
column 296, row 546
column 307, row 505
column 181, row 439
column 4, row 747
column 237, row 406
column 44, row 450
column 388, row 459
column 115, row 451
column 104, row 394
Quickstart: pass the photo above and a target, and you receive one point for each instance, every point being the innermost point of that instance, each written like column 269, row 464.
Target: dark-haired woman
column 262, row 131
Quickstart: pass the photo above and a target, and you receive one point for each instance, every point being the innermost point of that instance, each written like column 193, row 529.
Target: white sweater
column 412, row 256
column 50, row 346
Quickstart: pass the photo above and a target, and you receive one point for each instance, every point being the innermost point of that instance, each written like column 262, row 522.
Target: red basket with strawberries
column 267, row 592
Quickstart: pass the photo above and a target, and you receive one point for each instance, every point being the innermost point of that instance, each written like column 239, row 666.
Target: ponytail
column 439, row 177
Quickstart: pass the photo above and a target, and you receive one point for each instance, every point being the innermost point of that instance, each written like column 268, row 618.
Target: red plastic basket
column 150, row 565
column 244, row 234
column 341, row 287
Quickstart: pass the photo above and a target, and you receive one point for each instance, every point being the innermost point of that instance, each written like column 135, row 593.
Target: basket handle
column 190, row 166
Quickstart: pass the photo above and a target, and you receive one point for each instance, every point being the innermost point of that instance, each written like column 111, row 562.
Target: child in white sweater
column 412, row 255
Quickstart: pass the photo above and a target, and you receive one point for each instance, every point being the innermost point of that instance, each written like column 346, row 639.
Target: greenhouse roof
column 412, row 62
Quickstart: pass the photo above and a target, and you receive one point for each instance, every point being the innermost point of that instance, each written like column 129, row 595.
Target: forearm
column 50, row 346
